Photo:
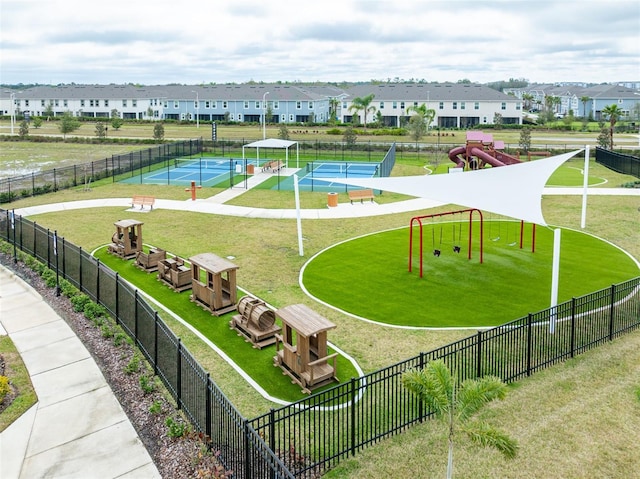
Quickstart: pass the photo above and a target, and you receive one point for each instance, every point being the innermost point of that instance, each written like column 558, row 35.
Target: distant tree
column 312, row 118
column 68, row 124
column 158, row 132
column 427, row 114
column 333, row 110
column 584, row 100
column 149, row 112
column 283, row 132
column 116, row 122
column 455, row 405
column 115, row 113
column 363, row 104
column 101, row 131
column 527, row 98
column 604, row 139
column 37, row 122
column 417, row 127
column 613, row 113
column 379, row 118
column 48, row 111
column 24, row 129
column 349, row 136
column 525, row 139
column 497, row 121
column 268, row 113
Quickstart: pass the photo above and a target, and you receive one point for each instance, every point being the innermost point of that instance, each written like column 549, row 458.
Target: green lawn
column 257, row 363
column 369, row 277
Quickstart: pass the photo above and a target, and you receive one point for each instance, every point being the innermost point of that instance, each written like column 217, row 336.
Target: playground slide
column 502, row 159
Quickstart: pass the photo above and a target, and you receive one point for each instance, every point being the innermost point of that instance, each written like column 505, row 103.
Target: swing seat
column 456, row 249
column 436, row 252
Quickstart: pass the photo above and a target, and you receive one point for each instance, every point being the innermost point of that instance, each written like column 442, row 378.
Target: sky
column 223, row 41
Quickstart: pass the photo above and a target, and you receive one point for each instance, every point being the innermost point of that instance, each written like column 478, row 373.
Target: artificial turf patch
column 369, row 277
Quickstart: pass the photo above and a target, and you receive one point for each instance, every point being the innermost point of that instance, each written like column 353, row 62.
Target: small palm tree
column 455, row 404
column 613, row 113
column 364, row 104
column 584, row 99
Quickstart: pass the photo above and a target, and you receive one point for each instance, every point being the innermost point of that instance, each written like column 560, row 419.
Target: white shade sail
column 514, row 191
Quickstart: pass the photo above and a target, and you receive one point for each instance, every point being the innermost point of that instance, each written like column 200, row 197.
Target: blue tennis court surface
column 316, row 172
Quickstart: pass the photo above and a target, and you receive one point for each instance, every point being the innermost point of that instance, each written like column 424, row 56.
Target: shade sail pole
column 555, row 275
column 583, row 220
column 298, row 220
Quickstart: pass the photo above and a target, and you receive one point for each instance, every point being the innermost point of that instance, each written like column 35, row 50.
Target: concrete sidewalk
column 77, row 429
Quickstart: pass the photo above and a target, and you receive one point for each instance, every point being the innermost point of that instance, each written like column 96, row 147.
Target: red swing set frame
column 419, row 219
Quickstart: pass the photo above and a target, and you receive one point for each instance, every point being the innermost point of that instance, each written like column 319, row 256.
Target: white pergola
column 273, row 143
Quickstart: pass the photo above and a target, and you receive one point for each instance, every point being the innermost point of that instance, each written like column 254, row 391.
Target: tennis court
column 317, row 172
column 204, row 171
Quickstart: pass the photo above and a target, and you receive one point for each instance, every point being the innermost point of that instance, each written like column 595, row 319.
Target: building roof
column 424, row 92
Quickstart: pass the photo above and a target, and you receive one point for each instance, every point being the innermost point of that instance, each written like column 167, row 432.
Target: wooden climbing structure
column 256, row 322
column 213, row 283
column 126, row 242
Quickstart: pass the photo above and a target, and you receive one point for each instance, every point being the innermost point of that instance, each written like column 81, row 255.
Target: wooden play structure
column 174, row 273
column 213, row 281
column 256, row 322
column 149, row 261
column 301, row 350
column 126, row 242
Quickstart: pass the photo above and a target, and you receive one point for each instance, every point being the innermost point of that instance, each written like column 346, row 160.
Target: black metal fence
column 316, row 433
column 131, row 163
column 625, row 164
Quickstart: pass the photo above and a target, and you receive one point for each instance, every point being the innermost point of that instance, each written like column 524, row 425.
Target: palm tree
column 427, row 114
column 613, row 113
column 528, row 99
column 455, row 404
column 584, row 100
column 364, row 104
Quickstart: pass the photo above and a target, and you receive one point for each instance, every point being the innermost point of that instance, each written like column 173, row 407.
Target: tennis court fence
column 127, row 164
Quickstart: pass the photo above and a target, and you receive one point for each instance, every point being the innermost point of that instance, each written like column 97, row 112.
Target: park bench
column 274, row 165
column 142, row 201
column 361, row 195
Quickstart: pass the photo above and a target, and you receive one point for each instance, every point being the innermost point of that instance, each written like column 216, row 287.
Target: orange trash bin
column 250, row 169
column 332, row 199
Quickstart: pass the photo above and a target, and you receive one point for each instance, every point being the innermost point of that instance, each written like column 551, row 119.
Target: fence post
column 117, row 298
column 48, row 248
column 529, row 344
column 272, row 429
column 248, row 469
column 353, row 417
column 612, row 311
column 135, row 317
column 80, row 269
column 155, row 343
column 420, row 402
column 479, row 355
column 179, row 375
column 207, row 413
column 573, row 326
column 97, row 281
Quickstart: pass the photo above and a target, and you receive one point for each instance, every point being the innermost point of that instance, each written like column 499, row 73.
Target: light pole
column 197, row 105
column 264, row 116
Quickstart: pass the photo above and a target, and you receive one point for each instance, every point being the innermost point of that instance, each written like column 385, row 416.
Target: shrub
column 79, row 301
column 134, row 364
column 175, row 427
column 94, row 311
column 4, row 387
column 147, row 384
column 156, row 407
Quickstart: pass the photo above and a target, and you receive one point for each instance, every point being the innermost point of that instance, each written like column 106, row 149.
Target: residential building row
column 456, row 105
column 583, row 101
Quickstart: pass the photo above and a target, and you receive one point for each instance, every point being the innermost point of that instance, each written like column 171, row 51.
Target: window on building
column 65, row 103
column 225, row 105
column 310, row 105
column 134, row 103
column 395, row 105
column 42, row 103
column 462, row 105
column 239, row 116
column 165, row 104
column 381, row 105
column 245, row 105
column 106, row 103
column 344, row 105
column 415, row 104
column 231, row 117
column 258, row 105
column 476, row 105
column 124, row 103
column 57, row 103
column 503, row 106
column 283, row 118
column 214, row 104
column 402, row 105
column 441, row 105
column 196, row 105
column 26, row 103
column 455, row 105
column 176, row 104
column 298, row 105
column 276, row 105
column 291, row 117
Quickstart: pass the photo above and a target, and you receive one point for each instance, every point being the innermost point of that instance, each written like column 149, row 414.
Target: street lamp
column 197, row 108
column 264, row 116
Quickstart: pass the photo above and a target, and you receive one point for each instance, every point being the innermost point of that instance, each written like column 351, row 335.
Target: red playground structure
column 480, row 150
